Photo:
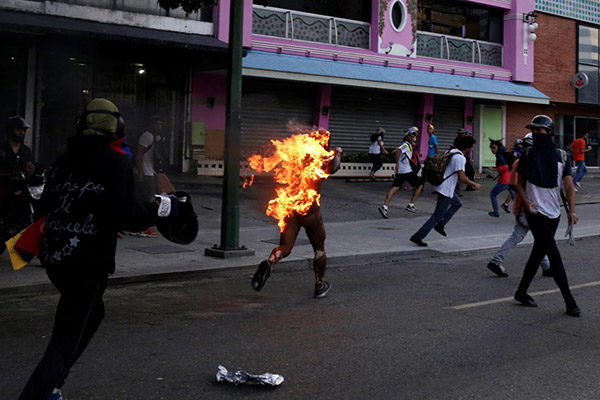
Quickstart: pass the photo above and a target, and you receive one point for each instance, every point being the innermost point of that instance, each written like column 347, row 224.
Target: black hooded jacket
column 88, row 198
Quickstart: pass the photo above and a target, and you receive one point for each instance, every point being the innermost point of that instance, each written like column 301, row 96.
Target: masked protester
column 88, row 198
column 543, row 169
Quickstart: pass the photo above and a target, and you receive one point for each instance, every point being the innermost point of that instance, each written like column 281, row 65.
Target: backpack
column 435, row 168
column 510, row 158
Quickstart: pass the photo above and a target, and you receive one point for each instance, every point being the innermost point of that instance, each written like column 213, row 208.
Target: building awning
column 311, row 69
column 49, row 24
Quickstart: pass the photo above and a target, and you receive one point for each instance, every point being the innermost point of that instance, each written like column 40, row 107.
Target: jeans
column 445, row 209
column 496, row 190
column 581, row 171
column 78, row 315
column 517, row 236
column 377, row 162
column 543, row 230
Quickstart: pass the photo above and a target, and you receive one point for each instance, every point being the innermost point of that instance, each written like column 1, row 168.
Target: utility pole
column 230, row 208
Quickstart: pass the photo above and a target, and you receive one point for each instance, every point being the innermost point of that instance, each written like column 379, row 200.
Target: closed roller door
column 267, row 108
column 356, row 113
column 448, row 118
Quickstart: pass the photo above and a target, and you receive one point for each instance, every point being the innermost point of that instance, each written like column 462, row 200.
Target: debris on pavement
column 237, row 377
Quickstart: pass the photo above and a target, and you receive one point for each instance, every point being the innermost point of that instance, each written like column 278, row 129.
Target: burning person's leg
column 287, row 240
column 315, row 230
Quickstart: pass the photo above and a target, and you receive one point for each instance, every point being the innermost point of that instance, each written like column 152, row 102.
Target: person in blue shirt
column 432, row 143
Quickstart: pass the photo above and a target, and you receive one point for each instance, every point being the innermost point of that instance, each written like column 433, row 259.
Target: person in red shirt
column 503, row 176
column 579, row 148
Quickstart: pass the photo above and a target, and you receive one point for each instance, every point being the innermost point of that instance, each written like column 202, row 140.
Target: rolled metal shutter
column 267, row 108
column 448, row 118
column 357, row 112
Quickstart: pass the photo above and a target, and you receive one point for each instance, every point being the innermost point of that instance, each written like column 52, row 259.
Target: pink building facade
column 393, row 64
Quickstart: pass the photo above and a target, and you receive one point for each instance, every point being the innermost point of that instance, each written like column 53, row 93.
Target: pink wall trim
column 425, row 107
column 520, row 65
column 223, row 11
column 469, row 113
column 504, row 4
column 323, row 99
column 203, row 87
column 396, row 43
column 374, row 25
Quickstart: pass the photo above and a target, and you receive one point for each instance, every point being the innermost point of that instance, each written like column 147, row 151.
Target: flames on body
column 299, row 165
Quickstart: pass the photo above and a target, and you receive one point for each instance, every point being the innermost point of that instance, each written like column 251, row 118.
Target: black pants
column 78, row 315
column 543, row 230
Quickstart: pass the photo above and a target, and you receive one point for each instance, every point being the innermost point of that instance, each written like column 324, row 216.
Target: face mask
column 17, row 138
column 540, row 139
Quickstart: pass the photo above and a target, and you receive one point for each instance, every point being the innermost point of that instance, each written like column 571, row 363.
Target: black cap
column 16, row 122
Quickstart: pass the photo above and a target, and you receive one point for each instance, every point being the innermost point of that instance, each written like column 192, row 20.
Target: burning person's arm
column 337, row 160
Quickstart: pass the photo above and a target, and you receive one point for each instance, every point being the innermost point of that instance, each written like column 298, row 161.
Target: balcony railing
column 140, row 6
column 289, row 24
column 458, row 49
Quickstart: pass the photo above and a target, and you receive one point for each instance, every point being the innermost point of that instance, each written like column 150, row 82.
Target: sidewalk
column 356, row 233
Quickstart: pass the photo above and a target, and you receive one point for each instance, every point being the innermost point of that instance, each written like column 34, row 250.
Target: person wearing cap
column 543, row 169
column 87, row 200
column 16, row 154
column 375, row 150
column 406, row 171
column 521, row 228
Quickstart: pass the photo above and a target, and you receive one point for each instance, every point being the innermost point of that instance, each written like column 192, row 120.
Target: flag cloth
column 16, row 259
column 30, row 241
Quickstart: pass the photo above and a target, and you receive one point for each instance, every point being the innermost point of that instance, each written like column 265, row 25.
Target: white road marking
column 506, row 299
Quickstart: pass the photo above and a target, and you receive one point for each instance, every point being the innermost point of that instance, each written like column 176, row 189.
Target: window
column 398, row 15
column 589, row 63
column 454, row 18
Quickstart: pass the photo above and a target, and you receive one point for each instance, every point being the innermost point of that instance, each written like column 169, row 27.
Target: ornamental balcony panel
column 454, row 48
column 296, row 25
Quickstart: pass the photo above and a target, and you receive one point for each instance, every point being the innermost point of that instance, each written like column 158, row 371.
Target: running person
column 503, row 168
column 312, row 222
column 375, row 150
column 542, row 170
column 405, row 172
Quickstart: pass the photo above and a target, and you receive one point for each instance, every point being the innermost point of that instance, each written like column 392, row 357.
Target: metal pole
column 230, row 210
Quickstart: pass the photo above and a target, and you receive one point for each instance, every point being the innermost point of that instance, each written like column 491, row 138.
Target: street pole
column 230, row 208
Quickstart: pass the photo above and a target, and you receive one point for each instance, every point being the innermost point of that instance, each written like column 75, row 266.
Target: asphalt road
column 386, row 331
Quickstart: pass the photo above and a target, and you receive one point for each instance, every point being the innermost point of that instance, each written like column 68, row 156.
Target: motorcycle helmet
column 541, row 121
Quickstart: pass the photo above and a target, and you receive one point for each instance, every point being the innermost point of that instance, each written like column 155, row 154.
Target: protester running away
column 88, row 199
column 406, row 171
column 448, row 202
column 375, row 150
column 521, row 227
column 504, row 161
column 579, row 147
column 543, row 169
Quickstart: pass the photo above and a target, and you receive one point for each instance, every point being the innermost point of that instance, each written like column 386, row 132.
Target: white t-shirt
column 547, row 200
column 374, row 148
column 456, row 163
column 147, row 140
column 403, row 164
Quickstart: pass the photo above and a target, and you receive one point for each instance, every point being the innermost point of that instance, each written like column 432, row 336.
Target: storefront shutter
column 448, row 118
column 356, row 113
column 267, row 108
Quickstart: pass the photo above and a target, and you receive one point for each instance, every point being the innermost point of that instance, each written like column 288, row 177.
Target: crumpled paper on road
column 237, row 377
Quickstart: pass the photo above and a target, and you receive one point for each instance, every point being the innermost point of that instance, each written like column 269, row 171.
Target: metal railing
column 140, row 6
column 297, row 25
column 459, row 49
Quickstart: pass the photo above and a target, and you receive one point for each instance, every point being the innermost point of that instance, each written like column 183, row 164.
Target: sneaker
column 411, row 208
column 418, row 241
column 149, row 232
column 505, row 207
column 498, row 269
column 525, row 299
column 577, row 185
column 55, row 396
column 494, row 214
column 383, row 212
column 573, row 310
column 372, row 175
column 323, row 290
column 577, row 190
column 261, row 275
column 440, row 229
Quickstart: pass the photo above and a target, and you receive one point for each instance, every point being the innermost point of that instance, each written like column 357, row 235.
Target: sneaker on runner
column 55, row 395
column 505, row 207
column 578, row 185
column 383, row 212
column 498, row 269
column 149, row 232
column 372, row 175
column 323, row 290
column 411, row 208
